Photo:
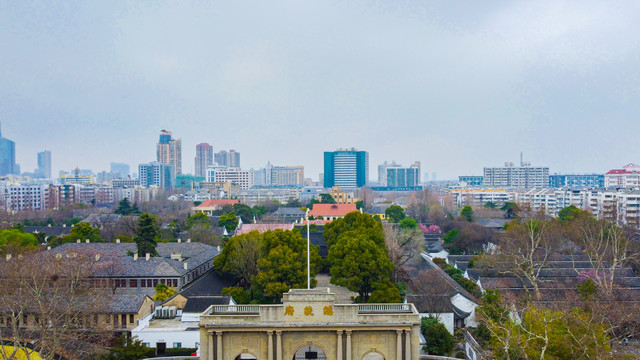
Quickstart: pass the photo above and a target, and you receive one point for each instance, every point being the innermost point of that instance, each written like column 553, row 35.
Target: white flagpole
column 308, row 255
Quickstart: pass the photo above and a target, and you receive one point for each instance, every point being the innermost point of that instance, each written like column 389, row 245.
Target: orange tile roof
column 332, row 209
column 218, row 202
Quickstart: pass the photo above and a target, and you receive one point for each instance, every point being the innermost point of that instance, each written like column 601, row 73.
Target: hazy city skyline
column 456, row 86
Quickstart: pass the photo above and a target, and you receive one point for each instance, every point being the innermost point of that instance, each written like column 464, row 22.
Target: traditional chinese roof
column 218, row 202
column 332, row 210
column 247, row 228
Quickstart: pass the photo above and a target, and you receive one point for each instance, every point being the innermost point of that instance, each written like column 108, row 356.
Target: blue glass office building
column 346, row 168
column 7, row 157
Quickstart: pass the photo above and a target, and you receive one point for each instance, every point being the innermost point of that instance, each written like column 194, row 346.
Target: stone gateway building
column 310, row 325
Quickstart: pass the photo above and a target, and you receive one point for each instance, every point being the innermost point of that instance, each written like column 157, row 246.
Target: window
column 177, row 345
column 155, row 282
column 131, row 319
column 133, row 283
column 175, row 283
column 145, row 344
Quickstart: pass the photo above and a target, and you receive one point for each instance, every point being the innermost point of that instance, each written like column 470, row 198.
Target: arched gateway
column 309, row 324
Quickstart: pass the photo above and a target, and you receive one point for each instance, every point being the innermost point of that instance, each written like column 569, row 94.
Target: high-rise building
column 628, row 176
column 119, row 170
column 229, row 159
column 346, row 168
column 169, row 151
column 402, row 177
column 156, row 174
column 44, row 165
column 279, row 176
column 8, row 164
column 240, row 178
column 576, row 181
column 523, row 176
column 204, row 158
column 382, row 172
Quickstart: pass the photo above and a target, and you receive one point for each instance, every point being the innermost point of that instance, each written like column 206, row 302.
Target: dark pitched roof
column 125, row 303
column 198, row 304
column 49, row 231
column 289, row 211
column 208, row 285
column 115, row 260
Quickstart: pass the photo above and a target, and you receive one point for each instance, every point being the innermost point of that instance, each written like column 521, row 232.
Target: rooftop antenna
column 521, row 162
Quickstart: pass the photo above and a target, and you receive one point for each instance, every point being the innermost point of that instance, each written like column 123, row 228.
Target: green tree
column 147, row 234
column 385, row 292
column 364, row 223
column 127, row 349
column 360, row 204
column 395, row 213
column 357, row 263
column 229, row 221
column 284, row 265
column 244, row 211
column 510, row 209
column 490, row 205
column 450, row 236
column 570, row 213
column 408, row 223
column 198, row 219
column 239, row 257
column 238, row 293
column 439, row 340
column 83, row 231
column 467, row 213
column 14, row 241
column 163, row 292
column 125, row 208
column 327, row 199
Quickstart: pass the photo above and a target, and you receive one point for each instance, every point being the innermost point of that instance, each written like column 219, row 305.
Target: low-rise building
column 331, row 211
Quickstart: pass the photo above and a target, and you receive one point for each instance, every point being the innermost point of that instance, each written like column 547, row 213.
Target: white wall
column 189, row 339
column 466, row 305
column 447, row 319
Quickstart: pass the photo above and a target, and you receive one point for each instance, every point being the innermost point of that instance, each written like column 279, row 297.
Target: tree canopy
column 395, row 213
column 14, row 241
column 354, row 221
column 147, row 235
column 229, row 221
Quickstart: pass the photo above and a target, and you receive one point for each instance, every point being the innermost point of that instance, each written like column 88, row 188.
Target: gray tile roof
column 289, row 211
column 125, row 303
column 115, row 262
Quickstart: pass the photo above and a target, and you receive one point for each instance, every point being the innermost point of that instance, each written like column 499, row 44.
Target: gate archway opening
column 310, row 352
column 245, row 356
column 373, row 356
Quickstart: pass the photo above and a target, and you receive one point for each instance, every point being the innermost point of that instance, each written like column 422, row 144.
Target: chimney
column 97, row 257
column 8, row 257
column 117, row 241
column 189, row 240
column 179, row 240
column 64, row 225
column 48, row 225
column 186, row 266
column 135, row 257
column 147, row 256
column 48, row 247
column 87, row 241
column 218, row 248
column 78, row 241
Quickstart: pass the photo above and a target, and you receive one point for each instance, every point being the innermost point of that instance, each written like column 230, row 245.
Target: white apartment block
column 628, row 176
column 522, row 177
column 236, row 176
column 16, row 197
column 478, row 197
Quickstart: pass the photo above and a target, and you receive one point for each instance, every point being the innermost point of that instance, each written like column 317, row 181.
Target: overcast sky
column 455, row 85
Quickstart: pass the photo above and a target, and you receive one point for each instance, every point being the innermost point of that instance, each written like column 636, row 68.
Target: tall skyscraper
column 204, row 158
column 169, row 151
column 346, row 168
column 8, row 157
column 227, row 159
column 44, row 164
